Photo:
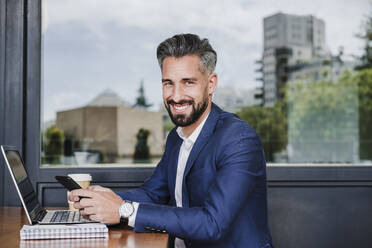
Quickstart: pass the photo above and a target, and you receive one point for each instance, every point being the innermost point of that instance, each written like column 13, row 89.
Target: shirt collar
column 194, row 134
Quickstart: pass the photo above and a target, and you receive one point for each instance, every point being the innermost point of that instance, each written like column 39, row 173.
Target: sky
column 93, row 45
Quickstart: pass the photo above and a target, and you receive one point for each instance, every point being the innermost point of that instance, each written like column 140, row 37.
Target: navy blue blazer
column 223, row 193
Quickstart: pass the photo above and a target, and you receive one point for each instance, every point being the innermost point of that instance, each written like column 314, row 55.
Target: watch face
column 126, row 209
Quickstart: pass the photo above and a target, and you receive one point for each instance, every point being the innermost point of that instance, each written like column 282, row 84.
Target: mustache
column 171, row 101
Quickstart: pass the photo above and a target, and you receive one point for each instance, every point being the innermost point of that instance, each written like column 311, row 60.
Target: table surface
column 13, row 218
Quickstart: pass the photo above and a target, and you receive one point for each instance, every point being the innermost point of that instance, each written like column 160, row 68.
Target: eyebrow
column 183, row 79
column 166, row 80
column 189, row 79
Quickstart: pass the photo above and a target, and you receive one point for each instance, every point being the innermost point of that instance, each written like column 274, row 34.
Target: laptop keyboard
column 65, row 216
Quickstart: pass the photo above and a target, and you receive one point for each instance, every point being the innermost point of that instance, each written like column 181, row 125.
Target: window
column 102, row 103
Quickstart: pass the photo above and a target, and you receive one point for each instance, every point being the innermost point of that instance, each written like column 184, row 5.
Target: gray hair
column 188, row 44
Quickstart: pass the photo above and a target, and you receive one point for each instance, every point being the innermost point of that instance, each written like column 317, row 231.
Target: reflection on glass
column 102, row 101
column 323, row 122
column 106, row 130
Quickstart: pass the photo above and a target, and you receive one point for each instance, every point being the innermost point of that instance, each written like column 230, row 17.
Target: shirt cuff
column 132, row 218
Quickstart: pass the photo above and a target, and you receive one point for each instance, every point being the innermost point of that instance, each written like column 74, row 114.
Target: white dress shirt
column 185, row 149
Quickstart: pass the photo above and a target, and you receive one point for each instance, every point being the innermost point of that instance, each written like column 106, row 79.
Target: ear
column 212, row 83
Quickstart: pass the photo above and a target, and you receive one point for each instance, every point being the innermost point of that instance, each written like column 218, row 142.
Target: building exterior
column 109, row 126
column 322, row 119
column 231, row 99
column 325, row 69
column 288, row 40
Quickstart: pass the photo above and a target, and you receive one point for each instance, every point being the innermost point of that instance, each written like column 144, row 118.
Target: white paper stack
column 64, row 243
column 91, row 230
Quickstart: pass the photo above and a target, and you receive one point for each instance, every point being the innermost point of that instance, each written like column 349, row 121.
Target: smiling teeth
column 180, row 108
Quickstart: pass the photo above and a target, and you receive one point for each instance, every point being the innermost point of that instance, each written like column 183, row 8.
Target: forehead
column 181, row 66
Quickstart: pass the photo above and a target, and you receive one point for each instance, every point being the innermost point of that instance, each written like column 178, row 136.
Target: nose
column 177, row 93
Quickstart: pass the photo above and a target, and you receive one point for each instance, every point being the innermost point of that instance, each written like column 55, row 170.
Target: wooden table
column 13, row 218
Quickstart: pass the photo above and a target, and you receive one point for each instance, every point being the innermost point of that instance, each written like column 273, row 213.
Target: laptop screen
column 25, row 188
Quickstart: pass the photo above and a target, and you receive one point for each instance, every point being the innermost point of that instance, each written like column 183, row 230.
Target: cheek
column 202, row 93
column 166, row 93
column 196, row 92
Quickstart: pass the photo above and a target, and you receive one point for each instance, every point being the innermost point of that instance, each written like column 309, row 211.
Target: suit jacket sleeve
column 240, row 163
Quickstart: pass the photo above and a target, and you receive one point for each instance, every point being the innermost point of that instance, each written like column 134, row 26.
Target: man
column 209, row 189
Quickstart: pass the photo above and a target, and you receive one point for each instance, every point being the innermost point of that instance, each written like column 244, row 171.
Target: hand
column 101, row 204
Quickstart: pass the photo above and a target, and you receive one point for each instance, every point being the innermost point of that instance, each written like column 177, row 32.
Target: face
column 187, row 92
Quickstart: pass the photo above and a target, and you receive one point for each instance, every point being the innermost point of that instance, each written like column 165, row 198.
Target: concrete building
column 288, row 39
column 231, row 99
column 108, row 125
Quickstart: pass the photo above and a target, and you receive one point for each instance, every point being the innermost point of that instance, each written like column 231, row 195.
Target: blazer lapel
column 201, row 141
column 173, row 159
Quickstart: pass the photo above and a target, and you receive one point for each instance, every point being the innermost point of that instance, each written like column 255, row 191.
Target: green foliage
column 321, row 104
column 325, row 118
column 366, row 36
column 271, row 125
column 142, row 150
column 53, row 144
column 168, row 124
column 363, row 80
column 141, row 99
column 323, row 121
column 335, row 117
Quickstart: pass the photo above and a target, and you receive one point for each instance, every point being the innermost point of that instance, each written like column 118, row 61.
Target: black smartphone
column 68, row 182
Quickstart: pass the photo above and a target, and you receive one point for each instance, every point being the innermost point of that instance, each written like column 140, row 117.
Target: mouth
column 180, row 108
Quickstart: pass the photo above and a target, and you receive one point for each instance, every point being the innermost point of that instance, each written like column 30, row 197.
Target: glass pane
column 296, row 72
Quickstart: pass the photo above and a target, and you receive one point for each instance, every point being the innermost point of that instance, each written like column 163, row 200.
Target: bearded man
column 209, row 189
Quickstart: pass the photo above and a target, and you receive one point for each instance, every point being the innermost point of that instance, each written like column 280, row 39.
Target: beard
column 183, row 120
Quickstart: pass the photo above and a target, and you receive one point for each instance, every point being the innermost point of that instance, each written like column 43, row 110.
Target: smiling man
column 209, row 189
column 187, row 91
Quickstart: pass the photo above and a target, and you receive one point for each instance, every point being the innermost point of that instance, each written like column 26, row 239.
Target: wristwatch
column 126, row 209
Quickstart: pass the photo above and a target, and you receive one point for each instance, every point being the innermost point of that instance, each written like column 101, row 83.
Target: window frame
column 21, row 109
column 22, row 91
column 20, row 106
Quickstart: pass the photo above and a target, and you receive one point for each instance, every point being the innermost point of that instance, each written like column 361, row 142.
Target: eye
column 167, row 83
column 189, row 83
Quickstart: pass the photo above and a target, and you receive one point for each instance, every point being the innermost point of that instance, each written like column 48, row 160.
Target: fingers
column 77, row 205
column 87, row 211
column 89, row 192
column 101, row 205
column 98, row 188
column 87, row 202
column 89, row 216
column 82, row 193
column 91, row 213
column 84, row 203
column 70, row 197
column 94, row 217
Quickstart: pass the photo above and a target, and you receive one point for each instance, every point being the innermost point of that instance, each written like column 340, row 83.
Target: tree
column 323, row 122
column 141, row 99
column 54, row 144
column 142, row 151
column 363, row 80
column 271, row 125
column 335, row 113
column 168, row 125
column 366, row 36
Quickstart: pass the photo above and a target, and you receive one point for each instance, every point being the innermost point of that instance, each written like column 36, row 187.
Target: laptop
column 35, row 214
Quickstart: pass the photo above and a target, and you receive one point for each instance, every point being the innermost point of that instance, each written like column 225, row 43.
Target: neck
column 187, row 131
